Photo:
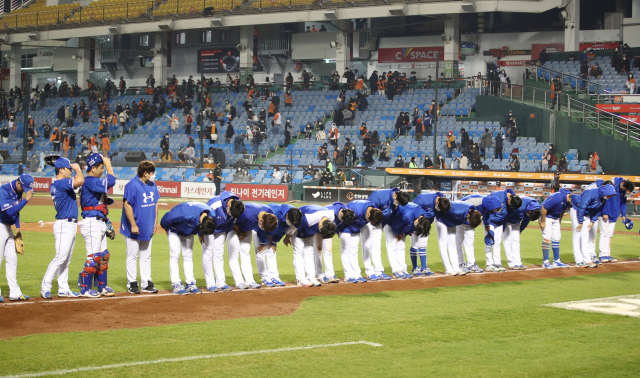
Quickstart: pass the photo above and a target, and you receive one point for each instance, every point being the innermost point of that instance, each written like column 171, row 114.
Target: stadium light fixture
column 114, row 29
column 331, row 14
column 217, row 21
column 165, row 25
column 469, row 6
column 398, row 10
column 33, row 36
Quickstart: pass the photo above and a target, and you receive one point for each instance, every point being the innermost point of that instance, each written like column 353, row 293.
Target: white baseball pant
column 551, row 230
column 64, row 233
column 582, row 239
column 606, row 233
column 372, row 249
column 92, row 231
column 512, row 243
column 465, row 236
column 177, row 244
column 418, row 241
column 236, row 247
column 303, row 261
column 396, row 250
column 492, row 252
column 266, row 261
column 326, row 254
column 8, row 247
column 447, row 246
column 349, row 248
column 143, row 248
column 213, row 253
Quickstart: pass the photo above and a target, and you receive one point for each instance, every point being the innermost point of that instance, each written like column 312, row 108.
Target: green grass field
column 482, row 330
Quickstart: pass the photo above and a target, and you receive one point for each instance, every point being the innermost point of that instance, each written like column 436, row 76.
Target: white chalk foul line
column 190, row 358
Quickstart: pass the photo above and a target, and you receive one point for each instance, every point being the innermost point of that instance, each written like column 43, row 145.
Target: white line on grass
column 191, row 358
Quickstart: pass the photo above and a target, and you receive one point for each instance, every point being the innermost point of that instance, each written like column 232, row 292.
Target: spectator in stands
column 308, row 29
column 390, row 88
column 399, row 163
column 288, row 131
column 375, row 140
column 596, row 71
column 308, row 172
column 217, row 178
column 440, row 162
column 20, row 169
column 464, row 140
column 626, row 63
column 106, row 145
column 189, row 154
column 33, row 164
column 419, row 133
column 513, row 133
column 164, row 144
column 631, row 84
column 562, row 164
column 412, row 163
column 329, row 166
column 338, row 156
column 323, row 153
column 584, row 73
column 451, row 143
column 55, row 139
column 498, row 145
column 286, row 178
column 428, row 121
column 556, row 88
column 340, row 177
column 347, row 116
column 122, row 86
column 515, row 163
column 72, row 145
column 238, row 144
column 616, row 60
column 385, row 155
column 428, row 164
column 505, row 80
column 334, row 135
column 571, row 58
column 545, row 161
column 46, row 130
column 485, row 140
column 229, row 133
column 464, row 162
column 323, row 28
column 401, row 127
column 584, row 56
column 326, row 178
column 188, row 120
column 555, row 183
column 367, row 156
column 434, row 108
column 61, row 116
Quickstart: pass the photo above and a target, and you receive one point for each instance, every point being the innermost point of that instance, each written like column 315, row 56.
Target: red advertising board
column 271, row 193
column 599, row 45
column 41, row 184
column 631, row 121
column 168, row 188
column 619, row 108
column 512, row 63
column 551, row 48
column 409, row 54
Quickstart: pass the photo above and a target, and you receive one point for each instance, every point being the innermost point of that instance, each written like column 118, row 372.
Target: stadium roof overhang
column 343, row 13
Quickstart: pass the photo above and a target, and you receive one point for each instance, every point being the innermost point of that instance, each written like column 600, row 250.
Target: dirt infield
column 147, row 310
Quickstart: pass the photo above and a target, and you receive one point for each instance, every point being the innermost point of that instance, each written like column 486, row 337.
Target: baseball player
column 227, row 208
column 408, row 219
column 315, row 220
column 289, row 218
column 94, row 226
column 181, row 223
column 488, row 206
column 515, row 222
column 587, row 205
column 255, row 218
column 462, row 215
column 12, row 202
column 388, row 201
column 364, row 212
column 552, row 212
column 429, row 202
column 341, row 216
column 613, row 209
column 65, row 227
column 139, row 223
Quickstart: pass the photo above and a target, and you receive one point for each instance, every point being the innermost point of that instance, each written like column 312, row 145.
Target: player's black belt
column 72, row 220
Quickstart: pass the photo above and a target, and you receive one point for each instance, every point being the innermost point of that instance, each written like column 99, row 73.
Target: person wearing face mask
column 288, row 129
column 289, row 218
column 139, row 225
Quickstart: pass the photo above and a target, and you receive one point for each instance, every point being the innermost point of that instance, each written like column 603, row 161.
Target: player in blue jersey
column 487, row 206
column 94, row 201
column 255, row 218
column 11, row 203
column 429, row 202
column 552, row 211
column 139, row 223
column 181, row 223
column 614, row 208
column 365, row 212
column 388, row 201
column 516, row 222
column 227, row 208
column 316, row 220
column 409, row 219
column 289, row 218
column 65, row 227
column 342, row 216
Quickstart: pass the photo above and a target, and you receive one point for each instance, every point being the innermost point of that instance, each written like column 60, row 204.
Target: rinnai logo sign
column 41, row 184
column 168, row 189
column 410, row 54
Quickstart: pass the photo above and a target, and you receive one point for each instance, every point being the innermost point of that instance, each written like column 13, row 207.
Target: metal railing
column 583, row 112
column 579, row 82
column 602, row 97
column 283, row 43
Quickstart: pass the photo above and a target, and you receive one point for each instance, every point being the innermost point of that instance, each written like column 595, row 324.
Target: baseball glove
column 51, row 159
column 19, row 243
column 110, row 232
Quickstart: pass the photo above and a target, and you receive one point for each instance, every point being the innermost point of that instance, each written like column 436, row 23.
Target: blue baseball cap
column 533, row 205
column 92, row 160
column 491, row 203
column 607, row 190
column 62, row 162
column 26, row 181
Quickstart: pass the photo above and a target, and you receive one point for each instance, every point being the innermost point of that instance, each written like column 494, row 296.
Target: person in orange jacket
column 288, row 100
column 106, row 145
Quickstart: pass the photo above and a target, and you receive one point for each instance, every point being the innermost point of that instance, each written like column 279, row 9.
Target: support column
column 452, row 48
column 84, row 55
column 246, row 56
column 15, row 66
column 343, row 52
column 635, row 8
column 572, row 27
column 160, row 59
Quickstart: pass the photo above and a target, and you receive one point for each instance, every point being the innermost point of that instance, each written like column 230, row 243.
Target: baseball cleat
column 559, row 264
column 399, row 275
column 607, row 259
column 351, row 280
column 361, row 279
column 324, row 280
column 463, row 268
column 582, row 265
column 21, row 298
column 150, row 288
column 451, row 273
column 305, row 283
column 107, row 292
column 462, row 273
column 212, row 289
column 407, row 274
column 427, row 272
column 179, row 289
column 90, row 294
column 268, row 282
column 417, row 272
column 1, row 300
column 193, row 289
column 133, row 288
column 547, row 265
column 475, row 269
column 254, row 285
column 491, row 268
column 597, row 261
column 47, row 295
column 68, row 294
column 500, row 268
column 592, row 264
column 242, row 286
column 519, row 267
column 374, row 277
column 334, row 279
column 226, row 288
column 384, row 277
column 277, row 282
column 315, row 282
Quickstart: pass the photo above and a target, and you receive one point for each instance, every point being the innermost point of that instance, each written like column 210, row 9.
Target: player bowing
column 409, row 218
column 364, row 212
column 181, row 223
column 255, row 218
column 342, row 217
column 64, row 228
column 613, row 209
column 487, row 206
column 515, row 222
column 455, row 227
column 551, row 214
column 429, row 202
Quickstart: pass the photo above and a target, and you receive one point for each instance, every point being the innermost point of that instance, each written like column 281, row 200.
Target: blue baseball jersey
column 248, row 221
column 615, row 206
column 143, row 199
column 590, row 202
column 336, row 207
column 383, row 200
column 478, row 200
column 360, row 208
column 311, row 216
column 427, row 201
column 184, row 219
column 557, row 204
column 64, row 199
column 218, row 205
column 520, row 215
column 457, row 215
column 498, row 218
column 11, row 203
column 403, row 222
column 94, row 193
column 280, row 210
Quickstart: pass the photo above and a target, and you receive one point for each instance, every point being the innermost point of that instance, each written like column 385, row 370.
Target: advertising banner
column 197, row 190
column 619, row 108
column 551, row 48
column 42, row 184
column 320, row 194
column 350, row 194
column 409, row 54
column 599, row 45
column 269, row 193
column 168, row 188
column 221, row 61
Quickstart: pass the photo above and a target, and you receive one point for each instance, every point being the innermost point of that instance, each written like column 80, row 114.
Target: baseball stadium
column 305, row 188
